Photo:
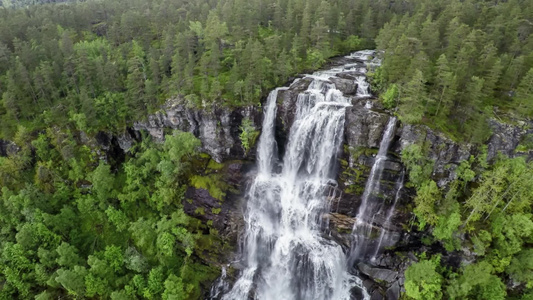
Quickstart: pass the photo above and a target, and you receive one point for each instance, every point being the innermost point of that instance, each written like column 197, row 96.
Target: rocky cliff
column 219, row 130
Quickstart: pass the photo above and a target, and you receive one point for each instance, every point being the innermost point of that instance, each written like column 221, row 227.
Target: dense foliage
column 101, row 64
column 76, row 224
column 73, row 225
column 453, row 64
column 486, row 211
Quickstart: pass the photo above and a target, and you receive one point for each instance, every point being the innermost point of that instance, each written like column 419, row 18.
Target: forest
column 76, row 225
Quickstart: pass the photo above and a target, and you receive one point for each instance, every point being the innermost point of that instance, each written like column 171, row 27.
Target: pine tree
column 430, row 37
column 468, row 109
column 492, row 78
column 412, row 99
column 444, row 80
column 524, row 93
column 305, row 29
column 135, row 84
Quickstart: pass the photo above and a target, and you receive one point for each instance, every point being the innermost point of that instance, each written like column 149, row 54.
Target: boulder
column 393, row 293
column 378, row 274
column 346, row 86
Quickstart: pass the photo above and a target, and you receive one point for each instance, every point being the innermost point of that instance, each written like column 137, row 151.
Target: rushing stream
column 285, row 252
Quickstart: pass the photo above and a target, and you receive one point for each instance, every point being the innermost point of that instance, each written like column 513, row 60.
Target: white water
column 362, row 86
column 285, row 254
column 385, row 232
column 363, row 226
column 220, row 285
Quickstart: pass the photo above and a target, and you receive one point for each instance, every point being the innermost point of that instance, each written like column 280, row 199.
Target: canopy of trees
column 104, row 63
column 454, row 64
column 487, row 210
column 73, row 224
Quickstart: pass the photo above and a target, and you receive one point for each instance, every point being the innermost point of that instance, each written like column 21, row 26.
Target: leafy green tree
column 422, row 281
column 102, row 181
column 72, row 280
column 477, row 282
column 390, row 97
column 521, row 267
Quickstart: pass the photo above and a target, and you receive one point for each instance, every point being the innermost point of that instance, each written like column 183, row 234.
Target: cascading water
column 362, row 86
column 368, row 209
column 384, row 237
column 285, row 253
column 220, row 285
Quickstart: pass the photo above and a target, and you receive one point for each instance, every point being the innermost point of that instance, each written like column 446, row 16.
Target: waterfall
column 285, row 252
column 362, row 86
column 367, row 210
column 385, row 234
column 266, row 148
column 220, row 285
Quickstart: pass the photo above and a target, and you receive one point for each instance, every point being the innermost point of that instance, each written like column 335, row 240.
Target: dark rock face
column 505, row 139
column 225, row 214
column 364, row 125
column 217, row 129
column 7, row 148
column 381, row 274
column 286, row 110
column 345, row 85
column 446, row 154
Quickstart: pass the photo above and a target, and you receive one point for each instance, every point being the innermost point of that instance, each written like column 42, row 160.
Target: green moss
column 344, row 230
column 354, row 175
column 200, row 211
column 216, row 211
column 356, row 152
column 211, row 183
column 213, row 165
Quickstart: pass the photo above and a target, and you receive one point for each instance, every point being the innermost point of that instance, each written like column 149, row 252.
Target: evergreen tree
column 524, row 93
column 444, row 79
column 412, row 99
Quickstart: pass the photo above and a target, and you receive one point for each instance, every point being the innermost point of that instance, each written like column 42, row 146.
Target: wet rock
column 286, row 109
column 378, row 273
column 393, row 293
column 287, row 103
column 346, row 86
column 351, row 75
column 341, row 222
column 364, row 126
column 356, row 293
column 200, row 204
column 340, row 229
column 376, row 295
column 226, row 213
